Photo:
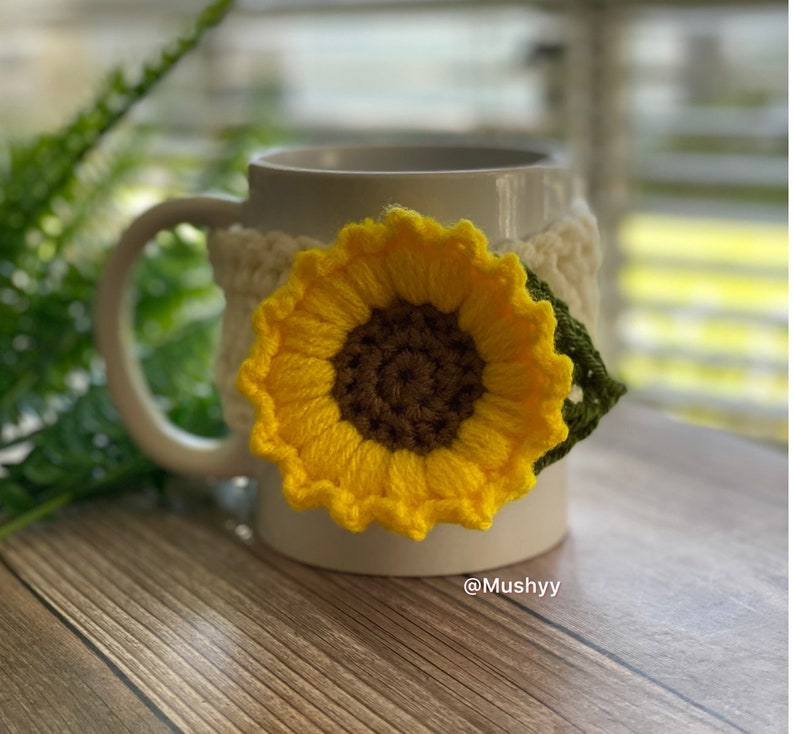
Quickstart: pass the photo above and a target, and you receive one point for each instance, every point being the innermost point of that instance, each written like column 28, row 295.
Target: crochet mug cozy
column 419, row 352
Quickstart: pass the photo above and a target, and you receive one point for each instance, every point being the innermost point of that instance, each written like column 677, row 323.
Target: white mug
column 509, row 194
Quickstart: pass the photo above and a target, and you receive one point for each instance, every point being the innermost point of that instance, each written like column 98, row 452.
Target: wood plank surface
column 670, row 615
column 676, row 565
column 52, row 680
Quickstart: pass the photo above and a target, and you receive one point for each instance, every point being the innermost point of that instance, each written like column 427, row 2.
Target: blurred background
column 674, row 116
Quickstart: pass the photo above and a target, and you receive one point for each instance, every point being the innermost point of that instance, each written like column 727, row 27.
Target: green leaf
column 600, row 392
column 56, row 194
column 38, row 171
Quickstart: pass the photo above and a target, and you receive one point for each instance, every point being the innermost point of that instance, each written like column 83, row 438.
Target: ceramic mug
column 314, row 192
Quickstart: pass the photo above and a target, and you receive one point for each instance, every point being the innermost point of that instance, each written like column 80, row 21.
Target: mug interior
column 400, row 159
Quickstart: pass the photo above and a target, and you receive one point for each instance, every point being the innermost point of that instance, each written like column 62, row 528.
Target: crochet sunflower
column 405, row 376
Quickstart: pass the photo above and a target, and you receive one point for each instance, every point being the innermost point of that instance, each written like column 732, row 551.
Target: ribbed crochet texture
column 567, row 256
column 249, row 265
column 440, row 327
column 408, row 376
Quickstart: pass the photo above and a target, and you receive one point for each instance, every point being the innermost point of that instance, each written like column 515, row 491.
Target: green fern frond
column 45, row 325
column 39, row 171
column 54, row 194
column 86, row 451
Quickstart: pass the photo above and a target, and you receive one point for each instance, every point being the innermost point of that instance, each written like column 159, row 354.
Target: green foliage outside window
column 59, row 217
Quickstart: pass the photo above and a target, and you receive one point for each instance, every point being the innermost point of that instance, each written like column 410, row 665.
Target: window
column 703, row 325
column 676, row 118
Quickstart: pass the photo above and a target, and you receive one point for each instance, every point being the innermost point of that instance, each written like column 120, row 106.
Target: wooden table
column 670, row 616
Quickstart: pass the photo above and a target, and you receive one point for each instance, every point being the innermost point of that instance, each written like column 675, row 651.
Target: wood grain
column 670, row 615
column 676, row 564
column 52, row 681
column 221, row 641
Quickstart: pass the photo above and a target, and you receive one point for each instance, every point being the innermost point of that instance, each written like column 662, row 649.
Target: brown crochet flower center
column 408, row 377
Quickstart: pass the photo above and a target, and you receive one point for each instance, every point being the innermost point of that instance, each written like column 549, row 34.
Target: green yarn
column 600, row 392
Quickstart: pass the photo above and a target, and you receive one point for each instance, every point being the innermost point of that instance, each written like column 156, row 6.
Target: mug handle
column 165, row 443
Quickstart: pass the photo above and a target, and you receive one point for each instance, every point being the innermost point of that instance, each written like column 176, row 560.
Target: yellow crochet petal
column 470, row 242
column 496, row 331
column 450, row 475
column 295, row 377
column 304, row 494
column 336, row 304
column 342, row 288
column 540, row 320
column 543, row 325
column 535, row 424
column 482, row 444
column 307, row 265
column 449, row 280
column 371, row 281
column 405, row 229
column 516, row 479
column 304, row 421
column 263, row 441
column 409, row 276
column 509, row 270
column 251, row 376
column 403, row 507
column 475, row 512
column 544, row 432
column 367, row 472
column 438, row 462
column 348, row 511
column 278, row 306
column 327, row 455
column 310, row 336
column 500, row 415
column 511, row 380
column 407, row 477
column 314, row 265
column 362, row 238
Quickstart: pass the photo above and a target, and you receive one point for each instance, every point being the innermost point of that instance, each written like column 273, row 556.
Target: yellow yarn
column 324, row 459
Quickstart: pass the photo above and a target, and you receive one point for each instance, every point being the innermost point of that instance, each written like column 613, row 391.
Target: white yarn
column 567, row 255
column 249, row 265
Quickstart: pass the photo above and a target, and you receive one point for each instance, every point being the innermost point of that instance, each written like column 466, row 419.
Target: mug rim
column 476, row 159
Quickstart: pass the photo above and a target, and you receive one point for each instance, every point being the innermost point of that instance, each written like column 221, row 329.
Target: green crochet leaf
column 600, row 392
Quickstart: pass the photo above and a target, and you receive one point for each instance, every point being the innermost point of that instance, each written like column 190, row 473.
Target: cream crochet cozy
column 249, row 265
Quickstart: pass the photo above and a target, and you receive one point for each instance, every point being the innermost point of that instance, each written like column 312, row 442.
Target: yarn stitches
column 406, row 375
column 249, row 265
column 351, row 351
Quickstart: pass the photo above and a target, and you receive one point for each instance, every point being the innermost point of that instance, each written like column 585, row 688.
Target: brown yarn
column 408, row 377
